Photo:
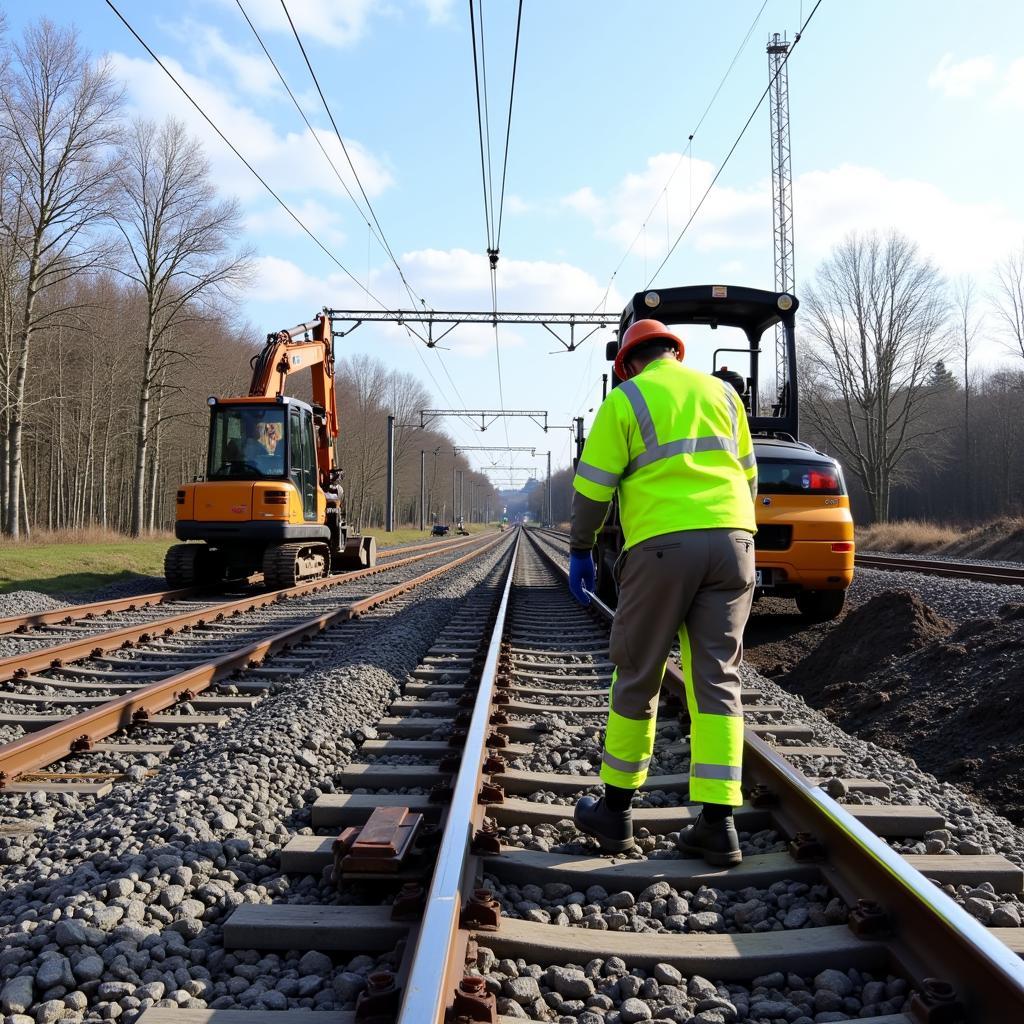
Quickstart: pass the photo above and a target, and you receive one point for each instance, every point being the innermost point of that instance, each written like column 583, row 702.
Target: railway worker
column 675, row 444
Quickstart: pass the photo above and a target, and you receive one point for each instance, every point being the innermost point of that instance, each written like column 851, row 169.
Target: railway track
column 37, row 627
column 937, row 567
column 71, row 696
column 502, row 911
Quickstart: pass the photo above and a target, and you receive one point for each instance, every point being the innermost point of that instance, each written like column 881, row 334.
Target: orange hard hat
column 638, row 334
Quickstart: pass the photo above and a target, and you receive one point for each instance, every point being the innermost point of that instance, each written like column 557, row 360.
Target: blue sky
column 904, row 114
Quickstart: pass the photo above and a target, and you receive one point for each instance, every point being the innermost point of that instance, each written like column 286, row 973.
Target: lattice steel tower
column 782, row 189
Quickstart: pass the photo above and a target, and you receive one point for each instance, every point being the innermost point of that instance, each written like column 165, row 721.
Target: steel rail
column 71, row 612
column 99, row 643
column 77, row 732
column 435, row 971
column 935, row 937
column 934, row 567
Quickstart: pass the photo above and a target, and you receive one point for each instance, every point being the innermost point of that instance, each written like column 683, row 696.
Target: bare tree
column 1009, row 299
column 179, row 253
column 876, row 313
column 966, row 327
column 58, row 116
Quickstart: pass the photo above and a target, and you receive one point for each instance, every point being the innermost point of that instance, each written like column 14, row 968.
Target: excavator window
column 246, row 443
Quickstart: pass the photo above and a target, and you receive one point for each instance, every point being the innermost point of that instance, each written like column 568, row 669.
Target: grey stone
column 1005, row 915
column 315, row 962
column 705, row 921
column 225, row 820
column 89, row 968
column 49, row 1011
column 701, row 988
column 54, row 971
column 833, row 981
column 570, row 984
column 16, row 996
column 633, row 1010
column 666, row 974
column 70, row 933
column 522, row 990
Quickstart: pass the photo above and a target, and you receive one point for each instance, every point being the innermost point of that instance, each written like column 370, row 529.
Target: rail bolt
column 473, row 1003
column 761, row 797
column 378, row 1003
column 482, row 912
column 486, row 841
column 409, row 901
column 490, row 793
column 805, row 848
column 494, row 764
column 936, row 1003
column 868, row 919
column 81, row 744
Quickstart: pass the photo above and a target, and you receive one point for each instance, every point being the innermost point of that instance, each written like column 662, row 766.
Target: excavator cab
column 271, row 501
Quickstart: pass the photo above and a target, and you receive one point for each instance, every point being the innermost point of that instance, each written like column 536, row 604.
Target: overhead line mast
column 782, row 191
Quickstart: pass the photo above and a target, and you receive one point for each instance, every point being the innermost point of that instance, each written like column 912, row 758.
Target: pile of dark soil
column 778, row 637
column 1002, row 540
column 953, row 700
column 889, row 626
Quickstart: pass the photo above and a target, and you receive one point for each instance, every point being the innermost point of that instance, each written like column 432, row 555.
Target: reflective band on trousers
column 625, row 766
column 596, row 476
column 683, row 446
column 725, row 772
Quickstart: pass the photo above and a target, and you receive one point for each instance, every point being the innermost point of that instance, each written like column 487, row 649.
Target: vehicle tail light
column 275, row 498
column 181, row 497
column 842, row 547
column 823, row 480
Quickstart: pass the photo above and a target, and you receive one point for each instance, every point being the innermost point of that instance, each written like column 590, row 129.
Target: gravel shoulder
column 110, row 907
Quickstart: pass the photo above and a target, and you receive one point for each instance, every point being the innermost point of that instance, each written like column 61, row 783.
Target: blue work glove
column 581, row 575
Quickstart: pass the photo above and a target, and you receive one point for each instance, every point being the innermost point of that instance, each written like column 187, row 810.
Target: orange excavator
column 271, row 501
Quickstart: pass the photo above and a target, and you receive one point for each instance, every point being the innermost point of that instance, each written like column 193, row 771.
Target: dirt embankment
column 895, row 672
column 1000, row 539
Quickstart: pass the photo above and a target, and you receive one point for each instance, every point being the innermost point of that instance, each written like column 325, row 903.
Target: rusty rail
column 77, row 732
column 72, row 612
column 931, row 936
column 976, row 571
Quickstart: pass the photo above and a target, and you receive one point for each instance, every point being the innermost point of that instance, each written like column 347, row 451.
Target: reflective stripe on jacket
column 676, row 444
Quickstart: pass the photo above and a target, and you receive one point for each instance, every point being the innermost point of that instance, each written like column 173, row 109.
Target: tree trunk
column 14, row 435
column 142, row 430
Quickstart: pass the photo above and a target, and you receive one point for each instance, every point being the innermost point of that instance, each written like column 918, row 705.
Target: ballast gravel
column 112, row 907
column 608, row 991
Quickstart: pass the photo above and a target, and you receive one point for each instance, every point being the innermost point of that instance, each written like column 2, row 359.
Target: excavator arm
column 305, row 346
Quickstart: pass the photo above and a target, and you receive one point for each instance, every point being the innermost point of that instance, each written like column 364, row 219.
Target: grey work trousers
column 696, row 585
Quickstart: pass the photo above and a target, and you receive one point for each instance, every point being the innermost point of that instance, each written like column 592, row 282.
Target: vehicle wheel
column 820, row 605
column 286, row 565
column 191, row 565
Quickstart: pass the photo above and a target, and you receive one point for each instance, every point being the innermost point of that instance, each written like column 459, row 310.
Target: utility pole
column 455, row 492
column 389, row 498
column 462, row 494
column 423, row 488
column 782, row 193
column 549, row 490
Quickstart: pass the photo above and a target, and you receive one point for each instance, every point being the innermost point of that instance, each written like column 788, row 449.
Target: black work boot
column 715, row 841
column 612, row 829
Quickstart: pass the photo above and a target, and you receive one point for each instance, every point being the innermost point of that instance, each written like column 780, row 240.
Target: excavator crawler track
column 285, row 565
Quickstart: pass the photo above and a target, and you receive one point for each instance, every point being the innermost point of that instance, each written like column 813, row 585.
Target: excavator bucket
column 358, row 553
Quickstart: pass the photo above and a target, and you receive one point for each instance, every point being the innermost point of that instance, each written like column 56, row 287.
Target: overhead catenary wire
column 344, row 149
column 508, row 126
column 686, row 153
column 733, row 147
column 252, row 170
column 266, row 185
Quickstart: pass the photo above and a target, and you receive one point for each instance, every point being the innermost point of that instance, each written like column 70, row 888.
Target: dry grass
column 1001, row 538
column 88, row 535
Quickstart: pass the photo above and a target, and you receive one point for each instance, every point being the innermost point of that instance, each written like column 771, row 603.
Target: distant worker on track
column 675, row 444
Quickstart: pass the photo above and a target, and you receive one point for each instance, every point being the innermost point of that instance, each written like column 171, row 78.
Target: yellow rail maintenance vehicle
column 804, row 542
column 271, row 501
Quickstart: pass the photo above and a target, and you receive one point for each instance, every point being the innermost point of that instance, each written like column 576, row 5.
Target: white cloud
column 516, row 205
column 584, row 200
column 438, row 11
column 961, row 235
column 961, row 80
column 1011, row 93
column 250, row 69
column 331, row 22
column 452, row 279
column 290, row 162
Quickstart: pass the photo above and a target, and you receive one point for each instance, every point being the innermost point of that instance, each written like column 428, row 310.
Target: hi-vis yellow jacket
column 676, row 444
